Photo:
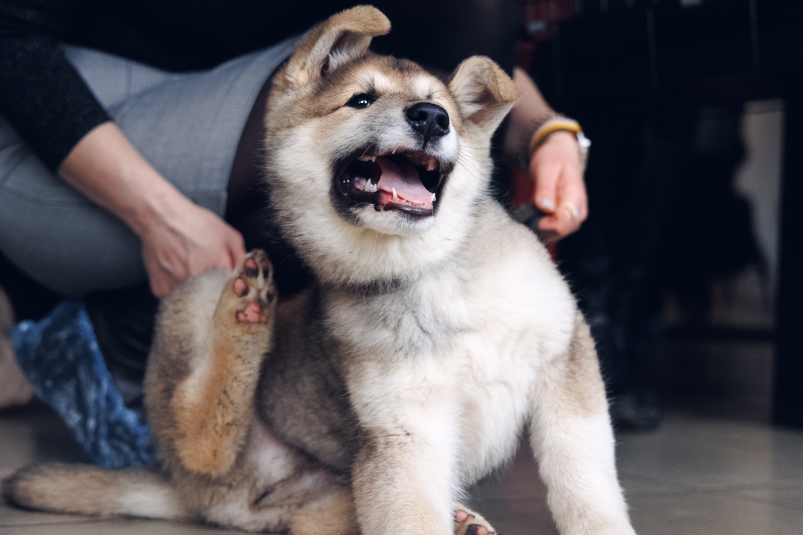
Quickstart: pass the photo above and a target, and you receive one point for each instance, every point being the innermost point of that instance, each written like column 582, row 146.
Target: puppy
column 437, row 329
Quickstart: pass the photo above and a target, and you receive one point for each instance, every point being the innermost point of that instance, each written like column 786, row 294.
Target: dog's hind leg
column 573, row 441
column 331, row 514
column 213, row 406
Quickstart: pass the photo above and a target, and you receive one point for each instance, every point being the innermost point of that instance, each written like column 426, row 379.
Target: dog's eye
column 361, row 100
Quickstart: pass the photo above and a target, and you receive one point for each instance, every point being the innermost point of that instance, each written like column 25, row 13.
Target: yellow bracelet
column 553, row 125
column 560, row 124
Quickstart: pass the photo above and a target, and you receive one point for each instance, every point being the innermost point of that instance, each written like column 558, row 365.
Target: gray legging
column 186, row 125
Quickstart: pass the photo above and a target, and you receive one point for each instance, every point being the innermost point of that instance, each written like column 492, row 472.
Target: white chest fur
column 453, row 358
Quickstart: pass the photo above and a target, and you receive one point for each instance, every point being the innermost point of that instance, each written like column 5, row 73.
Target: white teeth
column 433, row 197
column 365, row 184
column 431, row 165
column 395, row 195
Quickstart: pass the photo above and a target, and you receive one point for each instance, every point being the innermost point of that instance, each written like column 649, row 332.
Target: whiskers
column 310, row 181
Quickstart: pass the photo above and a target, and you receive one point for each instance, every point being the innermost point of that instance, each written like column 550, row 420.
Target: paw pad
column 468, row 523
column 240, row 287
column 254, row 287
column 250, row 268
column 476, row 529
column 252, row 313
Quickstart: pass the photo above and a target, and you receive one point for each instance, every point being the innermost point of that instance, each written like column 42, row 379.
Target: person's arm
column 53, row 110
column 555, row 167
column 41, row 94
column 178, row 237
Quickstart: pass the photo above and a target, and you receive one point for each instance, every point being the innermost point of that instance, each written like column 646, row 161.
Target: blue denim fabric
column 60, row 357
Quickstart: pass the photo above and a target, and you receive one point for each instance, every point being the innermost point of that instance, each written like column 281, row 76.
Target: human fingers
column 212, row 244
column 571, row 209
column 571, row 193
column 559, row 151
column 545, row 175
column 160, row 278
column 570, row 199
column 161, row 287
column 236, row 248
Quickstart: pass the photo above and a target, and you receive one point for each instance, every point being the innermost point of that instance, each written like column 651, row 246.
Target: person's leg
column 187, row 126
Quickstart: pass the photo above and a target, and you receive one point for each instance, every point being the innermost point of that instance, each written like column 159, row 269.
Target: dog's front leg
column 573, row 442
column 403, row 476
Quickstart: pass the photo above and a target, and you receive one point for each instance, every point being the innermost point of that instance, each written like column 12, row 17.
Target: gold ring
column 573, row 210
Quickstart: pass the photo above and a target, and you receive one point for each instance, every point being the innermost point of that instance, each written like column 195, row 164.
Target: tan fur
column 487, row 90
column 370, row 402
column 213, row 410
column 338, row 40
column 208, row 437
column 88, row 490
column 332, row 514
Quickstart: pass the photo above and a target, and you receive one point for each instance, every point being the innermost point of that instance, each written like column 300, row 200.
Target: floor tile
column 693, row 475
column 696, row 452
column 118, row 527
column 11, row 516
column 519, row 478
column 517, row 516
column 789, row 496
column 711, row 514
column 35, row 434
column 646, row 485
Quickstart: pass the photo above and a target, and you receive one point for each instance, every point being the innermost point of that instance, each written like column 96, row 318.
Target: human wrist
column 106, row 168
column 560, row 126
column 154, row 208
column 523, row 154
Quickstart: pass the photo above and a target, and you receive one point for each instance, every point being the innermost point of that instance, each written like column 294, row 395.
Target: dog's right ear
column 338, row 40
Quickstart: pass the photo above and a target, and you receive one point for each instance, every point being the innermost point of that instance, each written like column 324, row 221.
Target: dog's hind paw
column 467, row 522
column 252, row 292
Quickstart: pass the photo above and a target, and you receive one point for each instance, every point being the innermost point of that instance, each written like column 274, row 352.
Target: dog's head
column 375, row 165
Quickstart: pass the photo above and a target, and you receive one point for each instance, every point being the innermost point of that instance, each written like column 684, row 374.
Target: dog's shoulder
column 514, row 280
column 502, row 246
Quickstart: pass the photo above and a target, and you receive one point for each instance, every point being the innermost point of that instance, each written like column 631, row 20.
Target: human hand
column 559, row 188
column 179, row 238
column 187, row 240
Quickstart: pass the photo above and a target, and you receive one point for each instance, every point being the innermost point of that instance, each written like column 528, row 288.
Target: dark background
column 688, row 268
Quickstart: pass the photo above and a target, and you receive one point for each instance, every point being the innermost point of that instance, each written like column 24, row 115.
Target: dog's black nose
column 429, row 120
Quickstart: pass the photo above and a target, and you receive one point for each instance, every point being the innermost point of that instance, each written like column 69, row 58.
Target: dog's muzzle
column 408, row 181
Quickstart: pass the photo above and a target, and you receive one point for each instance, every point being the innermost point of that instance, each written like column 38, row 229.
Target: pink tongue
column 404, row 179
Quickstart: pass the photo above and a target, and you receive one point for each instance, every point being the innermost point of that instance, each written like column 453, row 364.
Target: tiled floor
column 692, row 476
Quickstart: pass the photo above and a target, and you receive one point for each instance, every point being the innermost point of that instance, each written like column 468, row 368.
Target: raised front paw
column 467, row 522
column 251, row 295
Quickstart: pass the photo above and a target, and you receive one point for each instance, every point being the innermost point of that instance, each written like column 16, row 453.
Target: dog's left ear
column 338, row 40
column 484, row 92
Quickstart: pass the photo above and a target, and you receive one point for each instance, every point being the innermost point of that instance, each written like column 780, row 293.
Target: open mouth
column 408, row 181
